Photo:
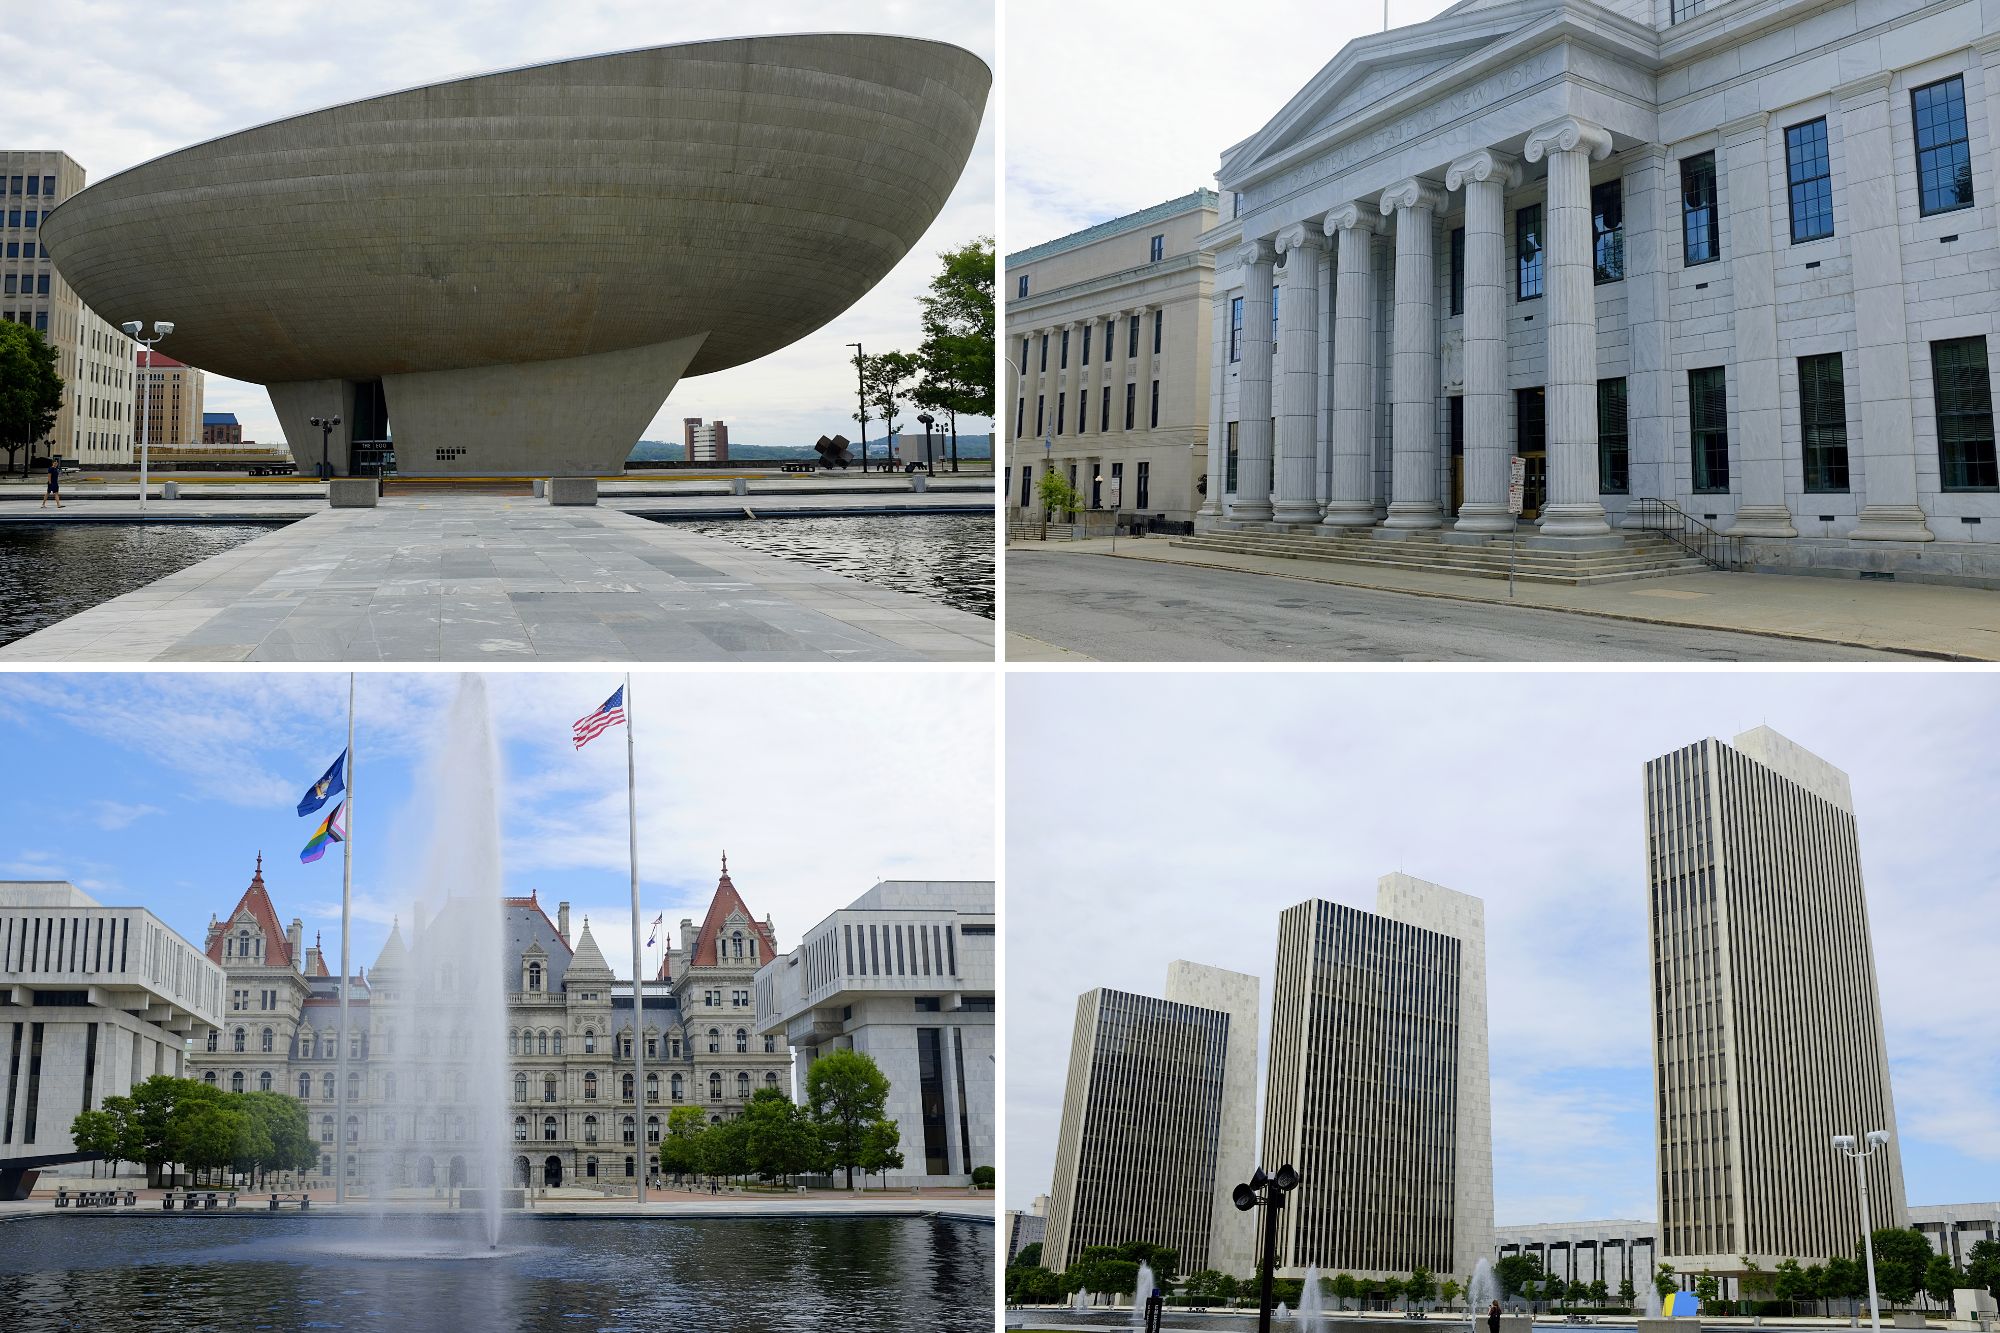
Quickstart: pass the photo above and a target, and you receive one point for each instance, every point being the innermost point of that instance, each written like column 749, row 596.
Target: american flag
column 587, row 729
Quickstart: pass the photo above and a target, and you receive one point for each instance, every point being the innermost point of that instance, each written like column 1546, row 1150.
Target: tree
column 881, row 1148
column 1515, row 1271
column 1030, row 1284
column 1814, row 1285
column 1846, row 1279
column 1627, row 1293
column 1055, row 493
column 982, row 1177
column 724, row 1149
column 1100, row 1268
column 1420, row 1286
column 99, row 1132
column 1941, row 1279
column 1789, row 1282
column 1203, row 1287
column 1449, row 1289
column 283, row 1132
column 1982, row 1266
column 1030, row 1255
column 955, row 358
column 1901, row 1255
column 1708, row 1288
column 1598, row 1292
column 779, row 1138
column 680, row 1147
column 206, row 1134
column 884, row 384
column 31, row 392
column 1345, row 1288
column 1663, row 1281
column 847, row 1094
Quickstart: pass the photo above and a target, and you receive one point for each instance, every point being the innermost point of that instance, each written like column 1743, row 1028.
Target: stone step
column 1651, row 557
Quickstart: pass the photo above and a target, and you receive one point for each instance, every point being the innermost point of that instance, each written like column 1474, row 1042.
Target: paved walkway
column 1930, row 619
column 489, row 579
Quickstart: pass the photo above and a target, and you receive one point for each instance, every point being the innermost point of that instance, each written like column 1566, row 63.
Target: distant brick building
column 705, row 444
column 220, row 428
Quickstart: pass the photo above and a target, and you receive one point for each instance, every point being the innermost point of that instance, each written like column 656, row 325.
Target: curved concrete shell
column 526, row 262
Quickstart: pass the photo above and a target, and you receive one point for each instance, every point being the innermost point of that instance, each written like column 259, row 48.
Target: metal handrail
column 1716, row 549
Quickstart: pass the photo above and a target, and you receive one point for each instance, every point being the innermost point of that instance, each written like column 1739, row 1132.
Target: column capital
column 1259, row 251
column 1988, row 46
column 1353, row 216
column 1301, row 236
column 1411, row 192
column 1755, row 124
column 1569, row 135
column 1867, row 86
column 1485, row 165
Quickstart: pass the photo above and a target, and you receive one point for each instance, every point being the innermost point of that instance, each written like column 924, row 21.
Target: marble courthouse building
column 1740, row 257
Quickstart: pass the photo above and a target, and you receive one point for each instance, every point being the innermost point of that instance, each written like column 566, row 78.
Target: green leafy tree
column 1030, row 1255
column 1788, row 1281
column 1982, row 1267
column 1203, row 1287
column 881, row 1148
column 1420, row 1286
column 1449, row 1290
column 955, row 358
column 1627, row 1293
column 1031, row 1284
column 1901, row 1256
column 724, row 1149
column 99, row 1132
column 680, row 1153
column 1663, row 1281
column 1515, row 1271
column 1231, row 1288
column 1101, row 1269
column 1814, row 1285
column 885, row 381
column 1845, row 1279
column 847, row 1094
column 31, row 392
column 780, row 1140
column 1597, row 1291
column 1345, row 1288
column 1056, row 494
column 1708, row 1288
column 207, row 1134
column 1941, row 1279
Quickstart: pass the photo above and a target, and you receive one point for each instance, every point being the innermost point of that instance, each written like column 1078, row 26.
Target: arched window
column 770, row 1044
column 513, row 1042
column 520, row 1087
column 589, row 1041
column 266, row 1040
column 625, row 1086
column 548, row 1087
column 389, row 1087
column 743, row 1085
column 213, row 1037
column 544, row 1042
column 652, row 1087
column 555, row 1042
column 534, row 976
column 243, row 944
column 715, row 1087
column 520, row 1129
column 753, row 948
column 353, row 1132
column 264, row 1081
column 714, row 1042
column 590, row 1167
column 236, row 1081
column 770, row 1080
column 305, row 1086
column 209, row 1078
column 326, row 1129
column 354, row 1087
column 742, row 1042
column 675, row 1086
column 240, row 1037
column 625, row 1127
column 548, row 1129
column 326, row 1088
column 590, row 1087
column 652, row 1129
column 590, row 1129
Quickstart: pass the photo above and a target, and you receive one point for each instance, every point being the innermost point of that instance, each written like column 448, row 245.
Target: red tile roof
column 277, row 946
column 159, row 361
column 725, row 902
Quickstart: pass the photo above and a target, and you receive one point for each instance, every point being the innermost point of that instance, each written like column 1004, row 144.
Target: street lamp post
column 133, row 328
column 1877, row 1140
column 1268, row 1193
column 326, row 425
column 861, row 383
column 930, row 468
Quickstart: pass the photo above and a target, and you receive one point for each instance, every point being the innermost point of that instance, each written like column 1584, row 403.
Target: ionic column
column 1350, row 503
column 1218, row 432
column 1651, row 184
column 1760, row 504
column 1298, row 379
column 1141, row 365
column 1881, row 332
column 1485, row 176
column 1323, row 368
column 1413, row 383
column 1253, row 388
column 1569, row 248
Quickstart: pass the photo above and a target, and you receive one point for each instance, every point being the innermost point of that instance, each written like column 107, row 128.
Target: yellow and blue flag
column 328, row 833
column 1682, row 1305
column 331, row 784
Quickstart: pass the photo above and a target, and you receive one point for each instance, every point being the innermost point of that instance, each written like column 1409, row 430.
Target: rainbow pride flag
column 328, row 832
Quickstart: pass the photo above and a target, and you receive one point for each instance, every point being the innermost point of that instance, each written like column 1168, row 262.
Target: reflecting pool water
column 945, row 557
column 51, row 572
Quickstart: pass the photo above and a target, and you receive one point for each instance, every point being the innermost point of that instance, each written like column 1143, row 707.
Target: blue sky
column 1226, row 798
column 159, row 789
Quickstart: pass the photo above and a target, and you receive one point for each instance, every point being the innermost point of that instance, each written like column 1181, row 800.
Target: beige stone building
column 1108, row 361
column 93, row 358
column 170, row 398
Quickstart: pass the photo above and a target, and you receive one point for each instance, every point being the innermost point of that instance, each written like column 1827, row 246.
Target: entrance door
column 370, row 452
column 1531, row 443
column 552, row 1171
column 1457, row 409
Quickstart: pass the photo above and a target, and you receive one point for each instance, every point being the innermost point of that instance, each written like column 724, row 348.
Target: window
column 1823, row 422
column 542, row 1041
column 742, row 1042
column 625, row 1087
column 555, row 1042
column 743, row 1086
column 1944, row 152
column 676, row 1087
column 1701, row 227
column 771, row 1042
column 1964, row 414
column 652, row 1129
column 1708, row 425
column 590, row 1087
column 240, row 1037
column 1045, row 353
column 1142, row 500
column 590, row 1041
column 1458, row 270
column 265, row 1041
column 714, row 1041
column 1062, row 359
column 1607, row 229
column 1028, row 484
column 1528, row 252
column 1229, row 478
column 305, row 1085
column 34, row 185
column 1024, row 356
column 1132, row 338
column 548, row 1129
column 1062, row 411
column 264, row 1081
column 1159, row 323
column 1131, row 400
column 1086, row 344
column 1020, row 417
column 1158, row 250
column 590, row 1129
column 236, row 1081
column 1082, row 411
column 625, row 1129
column 1153, row 421
column 534, row 976
column 1021, row 287
column 715, row 1087
column 1040, row 402
column 1104, row 411
column 1614, row 457
column 1235, row 329
column 1811, row 174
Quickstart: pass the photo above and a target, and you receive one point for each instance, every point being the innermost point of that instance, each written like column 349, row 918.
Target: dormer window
column 534, row 976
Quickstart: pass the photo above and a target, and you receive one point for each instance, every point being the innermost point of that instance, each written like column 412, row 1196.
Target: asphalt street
column 1134, row 611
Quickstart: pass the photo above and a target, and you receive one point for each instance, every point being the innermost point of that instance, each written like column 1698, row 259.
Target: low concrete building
column 93, row 1001
column 1029, row 1228
column 904, row 974
column 1954, row 1228
column 1615, row 1251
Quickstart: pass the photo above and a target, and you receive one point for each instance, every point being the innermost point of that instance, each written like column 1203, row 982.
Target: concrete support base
column 1347, row 515
column 1892, row 523
column 1763, row 521
column 572, row 490
column 352, row 492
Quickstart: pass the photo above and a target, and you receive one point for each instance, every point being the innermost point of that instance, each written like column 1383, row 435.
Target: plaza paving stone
column 469, row 578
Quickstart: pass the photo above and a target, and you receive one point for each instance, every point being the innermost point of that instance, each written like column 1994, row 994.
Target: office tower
column 1377, row 1090
column 1158, row 1123
column 1767, row 1021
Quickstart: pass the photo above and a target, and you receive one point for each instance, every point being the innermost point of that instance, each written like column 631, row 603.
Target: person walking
column 1493, row 1318
column 54, row 492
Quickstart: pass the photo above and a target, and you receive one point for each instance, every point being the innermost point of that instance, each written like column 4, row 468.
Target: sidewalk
column 1957, row 624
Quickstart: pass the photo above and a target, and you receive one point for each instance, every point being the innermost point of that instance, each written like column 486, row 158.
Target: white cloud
column 139, row 78
column 117, row 815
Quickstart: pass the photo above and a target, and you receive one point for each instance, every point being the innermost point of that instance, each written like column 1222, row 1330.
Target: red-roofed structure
column 256, row 902
column 725, row 905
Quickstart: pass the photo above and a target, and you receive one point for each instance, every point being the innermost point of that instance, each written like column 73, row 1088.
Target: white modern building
column 1377, row 1090
column 93, row 1001
column 1107, row 353
column 1736, row 257
column 904, row 974
column 1159, row 1122
column 1767, row 1016
column 1612, row 1251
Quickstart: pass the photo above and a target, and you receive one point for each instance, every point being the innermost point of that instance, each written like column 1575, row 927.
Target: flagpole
column 639, row 1147
column 346, row 973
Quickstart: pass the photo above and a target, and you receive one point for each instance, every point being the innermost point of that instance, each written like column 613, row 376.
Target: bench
column 95, row 1198
column 799, row 467
column 304, row 1201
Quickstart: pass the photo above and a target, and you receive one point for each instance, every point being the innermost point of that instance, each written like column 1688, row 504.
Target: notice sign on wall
column 1517, row 484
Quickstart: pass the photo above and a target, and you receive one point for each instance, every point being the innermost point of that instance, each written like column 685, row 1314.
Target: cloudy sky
column 117, row 82
column 159, row 790
column 1192, row 83
column 1154, row 817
